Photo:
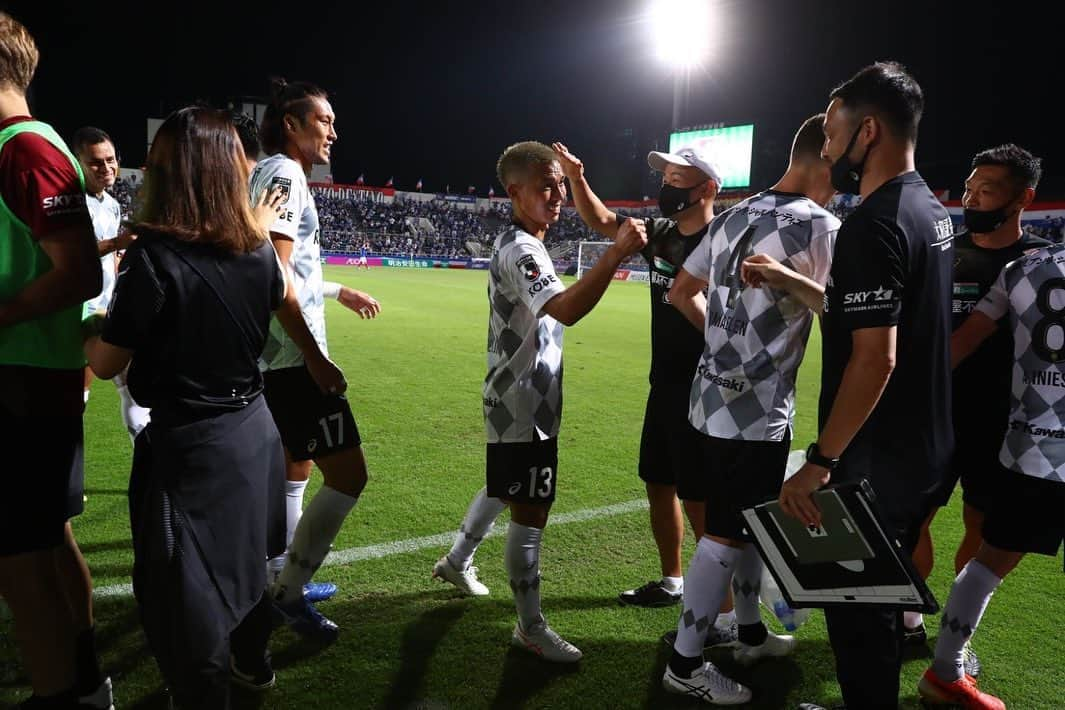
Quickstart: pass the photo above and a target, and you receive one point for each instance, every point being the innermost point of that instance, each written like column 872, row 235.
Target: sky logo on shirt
column 858, row 297
column 63, row 204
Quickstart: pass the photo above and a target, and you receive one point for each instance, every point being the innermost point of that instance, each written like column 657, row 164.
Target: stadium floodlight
column 681, row 30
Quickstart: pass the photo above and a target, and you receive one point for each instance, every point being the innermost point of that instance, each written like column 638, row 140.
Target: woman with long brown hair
column 190, row 315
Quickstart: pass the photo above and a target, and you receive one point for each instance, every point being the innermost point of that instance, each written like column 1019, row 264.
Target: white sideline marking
column 399, row 547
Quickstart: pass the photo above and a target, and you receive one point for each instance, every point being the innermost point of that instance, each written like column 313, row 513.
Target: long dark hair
column 196, row 183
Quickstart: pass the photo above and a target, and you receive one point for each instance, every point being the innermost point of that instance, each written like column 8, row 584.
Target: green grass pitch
column 406, row 641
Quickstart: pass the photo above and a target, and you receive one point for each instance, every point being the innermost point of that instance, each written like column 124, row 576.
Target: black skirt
column 209, row 497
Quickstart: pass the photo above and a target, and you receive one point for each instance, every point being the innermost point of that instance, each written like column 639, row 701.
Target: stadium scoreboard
column 730, row 146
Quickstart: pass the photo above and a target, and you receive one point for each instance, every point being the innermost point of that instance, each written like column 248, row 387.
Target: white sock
column 293, row 507
column 480, row 518
column 314, row 535
column 134, row 416
column 746, row 586
column 968, row 599
column 673, row 584
column 85, row 394
column 725, row 620
column 274, row 565
column 522, row 560
column 705, row 585
column 912, row 619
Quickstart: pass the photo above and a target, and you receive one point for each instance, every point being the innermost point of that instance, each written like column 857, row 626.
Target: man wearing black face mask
column 885, row 376
column 1001, row 185
column 669, row 445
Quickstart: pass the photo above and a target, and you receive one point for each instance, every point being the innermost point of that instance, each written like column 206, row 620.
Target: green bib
column 52, row 341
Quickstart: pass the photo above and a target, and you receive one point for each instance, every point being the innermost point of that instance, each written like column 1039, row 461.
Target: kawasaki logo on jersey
column 664, row 266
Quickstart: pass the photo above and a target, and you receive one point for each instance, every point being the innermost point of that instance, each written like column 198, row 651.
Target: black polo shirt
column 982, row 382
column 196, row 319
column 676, row 345
column 892, row 267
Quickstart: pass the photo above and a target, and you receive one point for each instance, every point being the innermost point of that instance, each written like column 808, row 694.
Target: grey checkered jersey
column 1031, row 290
column 523, row 387
column 744, row 385
column 299, row 222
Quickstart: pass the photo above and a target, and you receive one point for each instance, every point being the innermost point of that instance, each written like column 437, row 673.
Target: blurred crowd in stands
column 449, row 229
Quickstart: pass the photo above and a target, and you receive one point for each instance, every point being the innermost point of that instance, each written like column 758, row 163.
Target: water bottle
column 790, row 619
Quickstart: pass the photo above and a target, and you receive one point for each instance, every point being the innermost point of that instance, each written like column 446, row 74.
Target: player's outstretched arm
column 591, row 209
column 760, row 270
column 576, row 301
column 324, row 371
column 967, row 338
column 688, row 295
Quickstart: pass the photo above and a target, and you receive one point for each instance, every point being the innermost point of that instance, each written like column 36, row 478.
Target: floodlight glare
column 681, row 32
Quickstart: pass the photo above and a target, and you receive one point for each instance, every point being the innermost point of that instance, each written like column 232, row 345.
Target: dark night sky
column 437, row 90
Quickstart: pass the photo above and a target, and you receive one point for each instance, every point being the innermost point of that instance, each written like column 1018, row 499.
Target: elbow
column 567, row 319
column 879, row 365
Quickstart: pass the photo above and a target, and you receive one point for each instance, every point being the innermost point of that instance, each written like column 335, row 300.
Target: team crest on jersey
column 664, row 266
column 528, row 267
column 284, row 183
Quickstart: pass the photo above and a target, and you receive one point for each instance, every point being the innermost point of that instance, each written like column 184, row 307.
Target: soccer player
column 743, row 398
column 48, row 269
column 523, row 389
column 1001, row 185
column 669, row 445
column 99, row 163
column 363, row 251
column 885, row 377
column 1026, row 512
column 304, row 389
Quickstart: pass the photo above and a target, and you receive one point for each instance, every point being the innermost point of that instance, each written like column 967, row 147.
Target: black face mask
column 847, row 176
column 985, row 221
column 672, row 200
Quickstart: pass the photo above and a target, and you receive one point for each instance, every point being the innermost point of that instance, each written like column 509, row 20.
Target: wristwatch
column 814, row 456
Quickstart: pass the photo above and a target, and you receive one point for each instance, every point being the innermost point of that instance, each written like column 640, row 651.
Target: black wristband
column 814, row 456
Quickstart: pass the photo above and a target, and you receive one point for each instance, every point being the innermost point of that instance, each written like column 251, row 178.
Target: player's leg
column 979, row 490
column 525, row 476
column 656, row 469
column 1024, row 517
column 43, row 632
column 913, row 629
column 321, row 427
column 87, row 378
column 297, row 473
column 456, row 566
column 76, row 581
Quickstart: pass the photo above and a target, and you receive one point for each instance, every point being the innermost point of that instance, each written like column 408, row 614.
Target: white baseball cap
column 691, row 156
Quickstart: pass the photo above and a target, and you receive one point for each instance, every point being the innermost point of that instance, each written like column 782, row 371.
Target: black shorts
column 523, row 472
column 669, row 445
column 740, row 474
column 976, row 465
column 312, row 424
column 42, row 484
column 1027, row 514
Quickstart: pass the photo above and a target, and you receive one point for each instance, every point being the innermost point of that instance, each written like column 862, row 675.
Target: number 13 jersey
column 1031, row 290
column 744, row 385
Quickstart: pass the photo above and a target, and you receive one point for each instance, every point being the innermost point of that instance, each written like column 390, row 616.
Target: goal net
column 588, row 253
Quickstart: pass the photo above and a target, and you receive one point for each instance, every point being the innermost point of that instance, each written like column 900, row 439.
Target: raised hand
column 572, row 167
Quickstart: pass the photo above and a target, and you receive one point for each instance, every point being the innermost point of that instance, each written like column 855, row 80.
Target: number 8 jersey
column 1031, row 290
